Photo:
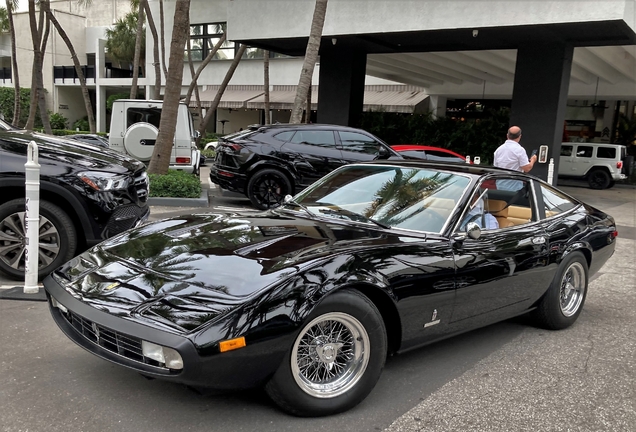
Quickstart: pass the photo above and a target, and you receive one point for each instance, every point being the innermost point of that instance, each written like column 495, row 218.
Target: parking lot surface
column 508, row 376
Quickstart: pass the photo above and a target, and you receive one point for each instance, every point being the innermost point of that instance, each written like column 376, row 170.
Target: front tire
column 335, row 360
column 561, row 305
column 267, row 188
column 57, row 238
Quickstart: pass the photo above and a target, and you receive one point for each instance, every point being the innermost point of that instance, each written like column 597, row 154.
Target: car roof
column 476, row 170
column 318, row 126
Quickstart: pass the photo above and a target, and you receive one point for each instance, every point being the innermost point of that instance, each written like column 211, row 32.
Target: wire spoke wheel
column 331, row 355
column 572, row 289
column 13, row 241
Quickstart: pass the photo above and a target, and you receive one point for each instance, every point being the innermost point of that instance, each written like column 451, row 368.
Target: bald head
column 514, row 133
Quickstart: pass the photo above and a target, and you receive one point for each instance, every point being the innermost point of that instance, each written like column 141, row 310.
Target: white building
column 554, row 60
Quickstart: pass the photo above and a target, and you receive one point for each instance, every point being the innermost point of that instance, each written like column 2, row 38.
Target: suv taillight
column 234, row 146
column 619, row 164
column 183, row 160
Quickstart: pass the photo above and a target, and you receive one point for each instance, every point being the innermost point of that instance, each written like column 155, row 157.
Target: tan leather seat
column 499, row 209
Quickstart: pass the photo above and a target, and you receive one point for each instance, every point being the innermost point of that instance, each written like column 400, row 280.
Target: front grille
column 142, row 186
column 123, row 218
column 111, row 340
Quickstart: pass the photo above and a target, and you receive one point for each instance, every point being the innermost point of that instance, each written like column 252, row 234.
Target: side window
column 566, row 150
column 555, row 202
column 315, row 138
column 584, row 151
column 284, row 136
column 606, row 152
column 360, row 143
column 505, row 203
column 442, row 156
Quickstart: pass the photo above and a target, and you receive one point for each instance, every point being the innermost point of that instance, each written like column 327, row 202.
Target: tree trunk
column 35, row 37
column 160, row 160
column 219, row 93
column 202, row 66
column 268, row 116
column 155, row 51
column 163, row 39
column 44, row 113
column 311, row 56
column 308, row 108
column 14, row 64
column 140, row 28
column 78, row 68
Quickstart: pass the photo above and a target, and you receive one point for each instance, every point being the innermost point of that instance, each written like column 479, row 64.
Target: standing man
column 513, row 156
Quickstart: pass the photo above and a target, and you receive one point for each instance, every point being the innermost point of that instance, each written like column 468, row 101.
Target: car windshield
column 409, row 198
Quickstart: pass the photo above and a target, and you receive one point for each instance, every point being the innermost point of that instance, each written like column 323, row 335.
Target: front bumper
column 119, row 340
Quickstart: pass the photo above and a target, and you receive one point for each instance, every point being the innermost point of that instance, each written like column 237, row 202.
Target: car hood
column 71, row 152
column 188, row 270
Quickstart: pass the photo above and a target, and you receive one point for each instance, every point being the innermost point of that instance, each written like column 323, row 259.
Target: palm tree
column 120, row 39
column 155, row 50
column 78, row 68
column 11, row 6
column 268, row 117
column 311, row 56
column 192, row 74
column 202, row 66
column 163, row 147
column 140, row 27
column 163, row 39
column 39, row 37
column 221, row 90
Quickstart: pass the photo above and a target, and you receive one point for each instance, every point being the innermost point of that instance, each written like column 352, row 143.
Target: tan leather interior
column 509, row 215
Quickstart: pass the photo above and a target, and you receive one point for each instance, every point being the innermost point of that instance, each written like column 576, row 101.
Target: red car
column 417, row 151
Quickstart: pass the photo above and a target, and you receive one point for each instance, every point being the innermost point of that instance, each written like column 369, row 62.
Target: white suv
column 600, row 164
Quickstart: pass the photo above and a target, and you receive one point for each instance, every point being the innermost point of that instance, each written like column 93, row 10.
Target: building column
column 341, row 86
column 437, row 106
column 539, row 98
column 100, row 91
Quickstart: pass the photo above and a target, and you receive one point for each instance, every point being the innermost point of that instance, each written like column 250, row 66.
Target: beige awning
column 232, row 98
column 389, row 98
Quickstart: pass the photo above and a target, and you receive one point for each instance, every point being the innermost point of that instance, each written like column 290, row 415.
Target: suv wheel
column 267, row 188
column 57, row 238
column 599, row 179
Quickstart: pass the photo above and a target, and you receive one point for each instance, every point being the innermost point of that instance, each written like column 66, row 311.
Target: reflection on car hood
column 203, row 265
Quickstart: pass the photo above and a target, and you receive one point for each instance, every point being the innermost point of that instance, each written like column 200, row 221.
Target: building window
column 203, row 38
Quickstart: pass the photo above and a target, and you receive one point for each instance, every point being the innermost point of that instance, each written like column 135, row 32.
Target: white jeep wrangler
column 598, row 163
column 134, row 126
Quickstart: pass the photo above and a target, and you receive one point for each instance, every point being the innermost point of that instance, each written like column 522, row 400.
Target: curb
column 202, row 201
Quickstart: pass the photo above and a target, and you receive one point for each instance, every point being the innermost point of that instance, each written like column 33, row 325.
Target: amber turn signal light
column 232, row 344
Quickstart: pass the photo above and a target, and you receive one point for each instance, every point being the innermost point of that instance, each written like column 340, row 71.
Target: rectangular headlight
column 163, row 355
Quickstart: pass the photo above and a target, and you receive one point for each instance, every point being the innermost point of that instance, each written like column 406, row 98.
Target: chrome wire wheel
column 572, row 290
column 330, row 355
column 13, row 241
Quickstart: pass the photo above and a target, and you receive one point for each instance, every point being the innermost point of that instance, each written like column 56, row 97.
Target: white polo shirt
column 511, row 155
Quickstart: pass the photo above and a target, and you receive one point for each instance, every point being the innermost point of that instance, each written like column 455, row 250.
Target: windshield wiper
column 352, row 216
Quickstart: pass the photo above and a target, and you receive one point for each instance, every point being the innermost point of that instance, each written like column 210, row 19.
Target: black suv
column 87, row 194
column 268, row 162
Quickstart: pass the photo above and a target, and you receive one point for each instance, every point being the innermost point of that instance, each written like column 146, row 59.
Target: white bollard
column 551, row 171
column 32, row 219
column 467, row 159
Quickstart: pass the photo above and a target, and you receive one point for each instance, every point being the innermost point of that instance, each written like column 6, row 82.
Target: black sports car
column 309, row 298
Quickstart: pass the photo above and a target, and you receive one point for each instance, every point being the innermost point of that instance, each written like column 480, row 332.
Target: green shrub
column 58, row 121
column 81, row 124
column 175, row 184
column 209, row 154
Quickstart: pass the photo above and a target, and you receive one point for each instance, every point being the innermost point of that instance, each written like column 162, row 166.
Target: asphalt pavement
column 506, row 377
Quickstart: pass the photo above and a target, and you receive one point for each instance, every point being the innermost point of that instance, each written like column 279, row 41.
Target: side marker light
column 232, row 344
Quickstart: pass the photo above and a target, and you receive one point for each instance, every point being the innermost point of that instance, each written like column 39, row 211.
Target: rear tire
column 562, row 303
column 336, row 358
column 267, row 188
column 57, row 238
column 599, row 179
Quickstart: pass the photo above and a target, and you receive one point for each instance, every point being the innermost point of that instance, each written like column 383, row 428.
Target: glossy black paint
column 193, row 281
column 239, row 156
column 60, row 162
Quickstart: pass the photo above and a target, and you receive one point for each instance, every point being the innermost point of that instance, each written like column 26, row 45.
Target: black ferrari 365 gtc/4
column 309, row 298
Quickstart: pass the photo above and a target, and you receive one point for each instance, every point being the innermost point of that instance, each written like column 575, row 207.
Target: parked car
column 268, row 162
column 308, row 299
column 429, row 153
column 94, row 139
column 602, row 165
column 87, row 194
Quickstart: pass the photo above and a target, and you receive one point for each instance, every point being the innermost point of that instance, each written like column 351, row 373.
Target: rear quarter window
column 606, row 152
column 555, row 202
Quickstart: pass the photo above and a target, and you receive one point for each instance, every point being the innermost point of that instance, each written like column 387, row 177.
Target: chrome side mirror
column 473, row 230
column 287, row 198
